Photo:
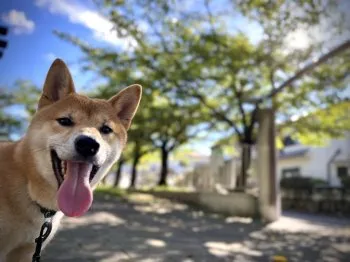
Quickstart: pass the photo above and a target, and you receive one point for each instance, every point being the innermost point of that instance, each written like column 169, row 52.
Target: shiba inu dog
column 71, row 143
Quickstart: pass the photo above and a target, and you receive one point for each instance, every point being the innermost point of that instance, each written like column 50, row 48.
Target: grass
column 112, row 191
column 143, row 195
column 165, row 189
column 124, row 194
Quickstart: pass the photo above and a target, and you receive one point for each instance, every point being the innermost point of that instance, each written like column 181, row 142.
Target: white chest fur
column 21, row 232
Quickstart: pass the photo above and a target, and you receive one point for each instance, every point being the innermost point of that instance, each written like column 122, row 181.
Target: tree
column 176, row 125
column 8, row 124
column 245, row 71
column 194, row 57
column 140, row 147
column 317, row 127
column 163, row 119
column 24, row 95
column 118, row 173
column 139, row 142
column 27, row 94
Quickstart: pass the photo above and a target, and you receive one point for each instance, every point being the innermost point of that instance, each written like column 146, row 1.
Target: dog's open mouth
column 74, row 196
column 60, row 168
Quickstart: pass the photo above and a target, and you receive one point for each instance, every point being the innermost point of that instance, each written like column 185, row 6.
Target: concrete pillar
column 216, row 162
column 269, row 195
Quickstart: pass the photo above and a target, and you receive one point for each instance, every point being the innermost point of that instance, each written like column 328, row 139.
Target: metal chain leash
column 43, row 235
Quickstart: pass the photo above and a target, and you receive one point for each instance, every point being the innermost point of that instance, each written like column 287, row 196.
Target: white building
column 323, row 162
column 326, row 163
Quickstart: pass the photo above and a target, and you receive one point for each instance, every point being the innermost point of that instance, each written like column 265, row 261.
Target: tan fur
column 26, row 173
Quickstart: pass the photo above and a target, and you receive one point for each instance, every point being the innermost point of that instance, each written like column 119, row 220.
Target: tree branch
column 216, row 113
column 339, row 49
column 238, row 94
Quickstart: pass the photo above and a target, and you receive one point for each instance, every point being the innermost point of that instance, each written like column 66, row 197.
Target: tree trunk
column 246, row 145
column 135, row 162
column 245, row 165
column 118, row 174
column 104, row 180
column 164, row 168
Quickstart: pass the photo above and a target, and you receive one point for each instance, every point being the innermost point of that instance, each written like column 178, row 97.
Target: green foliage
column 166, row 189
column 345, row 181
column 195, row 68
column 112, row 191
column 8, row 124
column 301, row 183
column 27, row 94
column 318, row 127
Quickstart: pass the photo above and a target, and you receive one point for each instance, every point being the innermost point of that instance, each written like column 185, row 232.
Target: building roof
column 295, row 153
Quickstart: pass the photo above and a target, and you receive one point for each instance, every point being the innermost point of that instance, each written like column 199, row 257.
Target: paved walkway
column 149, row 229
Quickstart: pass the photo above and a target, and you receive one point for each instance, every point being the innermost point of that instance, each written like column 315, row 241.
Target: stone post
column 269, row 193
column 216, row 161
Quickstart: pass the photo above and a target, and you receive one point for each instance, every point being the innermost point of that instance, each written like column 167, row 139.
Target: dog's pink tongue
column 75, row 194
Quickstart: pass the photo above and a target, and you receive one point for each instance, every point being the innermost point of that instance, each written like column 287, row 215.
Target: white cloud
column 100, row 26
column 19, row 22
column 50, row 57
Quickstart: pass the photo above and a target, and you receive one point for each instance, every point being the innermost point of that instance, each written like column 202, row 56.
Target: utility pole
column 3, row 43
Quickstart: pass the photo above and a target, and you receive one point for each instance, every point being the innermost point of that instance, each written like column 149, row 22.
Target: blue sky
column 32, row 46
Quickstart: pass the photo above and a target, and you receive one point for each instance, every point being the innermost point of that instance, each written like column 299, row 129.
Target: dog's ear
column 126, row 103
column 58, row 84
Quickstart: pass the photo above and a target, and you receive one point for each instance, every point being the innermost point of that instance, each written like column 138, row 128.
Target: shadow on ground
column 149, row 229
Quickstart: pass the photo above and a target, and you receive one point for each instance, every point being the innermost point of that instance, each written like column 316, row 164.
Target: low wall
column 233, row 204
column 318, row 200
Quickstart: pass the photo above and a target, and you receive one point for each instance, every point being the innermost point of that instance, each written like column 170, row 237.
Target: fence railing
column 327, row 200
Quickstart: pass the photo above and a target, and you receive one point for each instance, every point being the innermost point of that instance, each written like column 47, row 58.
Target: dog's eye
column 105, row 129
column 65, row 121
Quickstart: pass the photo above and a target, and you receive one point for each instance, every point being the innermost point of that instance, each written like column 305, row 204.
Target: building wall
column 314, row 162
column 294, row 162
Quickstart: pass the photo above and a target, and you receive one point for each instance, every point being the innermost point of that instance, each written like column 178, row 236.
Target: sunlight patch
column 298, row 39
column 243, row 220
column 97, row 218
column 222, row 249
column 155, row 242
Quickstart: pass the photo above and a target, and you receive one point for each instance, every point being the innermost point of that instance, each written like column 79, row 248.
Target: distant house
column 326, row 163
column 323, row 162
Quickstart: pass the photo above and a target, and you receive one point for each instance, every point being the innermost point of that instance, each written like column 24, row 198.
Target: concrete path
column 149, row 229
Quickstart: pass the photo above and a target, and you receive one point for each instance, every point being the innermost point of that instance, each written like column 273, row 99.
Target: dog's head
column 74, row 139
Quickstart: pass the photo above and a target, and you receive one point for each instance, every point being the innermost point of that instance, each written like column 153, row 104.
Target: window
column 342, row 171
column 291, row 172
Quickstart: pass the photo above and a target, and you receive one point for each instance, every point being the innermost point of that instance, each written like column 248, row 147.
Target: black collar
column 45, row 211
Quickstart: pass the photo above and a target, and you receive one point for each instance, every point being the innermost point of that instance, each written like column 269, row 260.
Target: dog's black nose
column 86, row 146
